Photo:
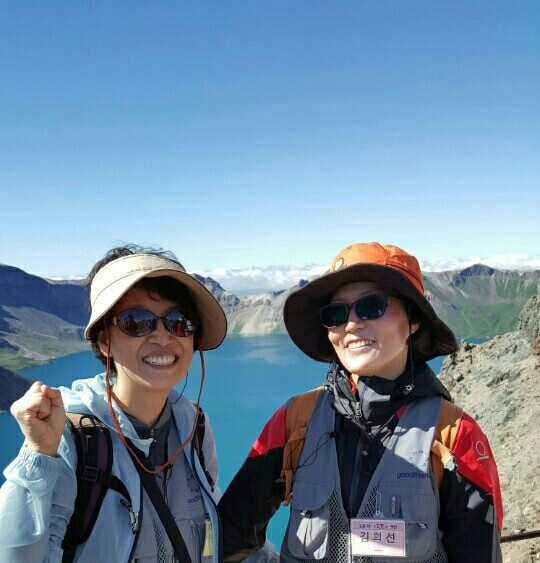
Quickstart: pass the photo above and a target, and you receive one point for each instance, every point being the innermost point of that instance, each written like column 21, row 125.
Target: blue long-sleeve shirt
column 37, row 499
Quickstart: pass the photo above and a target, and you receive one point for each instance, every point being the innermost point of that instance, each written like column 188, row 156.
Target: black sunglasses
column 367, row 308
column 141, row 322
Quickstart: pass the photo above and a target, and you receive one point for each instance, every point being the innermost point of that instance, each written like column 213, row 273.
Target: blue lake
column 247, row 379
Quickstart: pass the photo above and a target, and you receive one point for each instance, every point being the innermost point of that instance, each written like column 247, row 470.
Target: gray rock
column 503, row 392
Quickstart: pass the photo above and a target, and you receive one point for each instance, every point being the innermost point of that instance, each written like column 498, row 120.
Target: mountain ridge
column 41, row 319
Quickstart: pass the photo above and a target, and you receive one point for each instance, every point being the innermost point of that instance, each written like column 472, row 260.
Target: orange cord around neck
column 119, row 430
column 352, row 383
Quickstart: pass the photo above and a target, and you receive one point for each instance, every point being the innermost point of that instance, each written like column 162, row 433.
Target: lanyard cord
column 119, row 430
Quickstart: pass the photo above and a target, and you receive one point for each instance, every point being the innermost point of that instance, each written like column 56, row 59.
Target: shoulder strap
column 198, row 440
column 94, row 478
column 151, row 487
column 299, row 411
column 443, row 442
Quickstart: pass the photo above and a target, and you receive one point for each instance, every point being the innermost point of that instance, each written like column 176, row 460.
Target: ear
column 103, row 341
column 413, row 325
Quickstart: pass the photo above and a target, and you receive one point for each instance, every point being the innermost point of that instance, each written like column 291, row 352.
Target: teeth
column 160, row 360
column 360, row 343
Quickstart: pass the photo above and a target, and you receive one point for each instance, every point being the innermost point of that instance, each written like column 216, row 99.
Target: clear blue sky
column 251, row 133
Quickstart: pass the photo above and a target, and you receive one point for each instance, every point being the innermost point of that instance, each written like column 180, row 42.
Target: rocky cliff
column 12, row 386
column 497, row 383
column 39, row 319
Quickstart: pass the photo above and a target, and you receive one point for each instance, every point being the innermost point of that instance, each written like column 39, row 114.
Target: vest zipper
column 378, row 503
column 358, row 461
column 196, row 539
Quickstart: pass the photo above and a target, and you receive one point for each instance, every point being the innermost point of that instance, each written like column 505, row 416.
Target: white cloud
column 244, row 281
column 259, row 280
column 512, row 261
column 69, row 277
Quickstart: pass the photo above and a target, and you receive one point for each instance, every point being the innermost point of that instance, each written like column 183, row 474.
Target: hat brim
column 302, row 321
column 212, row 319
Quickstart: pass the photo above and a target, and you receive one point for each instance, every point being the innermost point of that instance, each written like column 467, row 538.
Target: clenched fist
column 42, row 418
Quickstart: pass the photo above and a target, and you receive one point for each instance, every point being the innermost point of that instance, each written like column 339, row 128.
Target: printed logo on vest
column 193, row 485
column 193, row 488
column 481, row 453
column 419, row 458
column 412, row 475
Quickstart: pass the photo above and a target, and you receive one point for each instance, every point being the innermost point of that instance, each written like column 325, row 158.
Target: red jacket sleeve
column 475, row 461
column 471, row 503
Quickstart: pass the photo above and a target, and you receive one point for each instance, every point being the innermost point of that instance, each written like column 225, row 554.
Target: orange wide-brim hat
column 387, row 266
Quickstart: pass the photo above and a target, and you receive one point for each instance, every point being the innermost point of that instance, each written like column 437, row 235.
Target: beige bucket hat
column 112, row 282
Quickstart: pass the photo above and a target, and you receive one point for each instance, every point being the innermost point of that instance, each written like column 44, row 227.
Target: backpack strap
column 94, row 478
column 446, row 430
column 198, row 440
column 299, row 411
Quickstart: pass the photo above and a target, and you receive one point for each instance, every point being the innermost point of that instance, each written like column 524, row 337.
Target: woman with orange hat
column 381, row 464
column 159, row 497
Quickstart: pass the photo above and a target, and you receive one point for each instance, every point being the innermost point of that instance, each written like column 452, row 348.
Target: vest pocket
column 420, row 515
column 309, row 522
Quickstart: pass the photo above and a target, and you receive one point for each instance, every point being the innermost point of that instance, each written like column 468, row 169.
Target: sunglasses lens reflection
column 371, row 307
column 136, row 322
column 140, row 322
column 334, row 314
column 177, row 324
column 367, row 308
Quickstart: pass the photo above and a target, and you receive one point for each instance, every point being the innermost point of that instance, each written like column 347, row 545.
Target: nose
column 160, row 333
column 353, row 320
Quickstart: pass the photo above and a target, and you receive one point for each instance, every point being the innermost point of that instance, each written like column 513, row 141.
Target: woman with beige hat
column 148, row 316
column 378, row 464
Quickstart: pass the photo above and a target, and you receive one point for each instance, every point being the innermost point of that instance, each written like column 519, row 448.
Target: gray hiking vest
column 402, row 487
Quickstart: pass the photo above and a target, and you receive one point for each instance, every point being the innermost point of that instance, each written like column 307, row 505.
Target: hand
column 41, row 417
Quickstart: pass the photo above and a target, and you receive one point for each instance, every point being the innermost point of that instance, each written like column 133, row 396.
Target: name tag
column 208, row 538
column 380, row 538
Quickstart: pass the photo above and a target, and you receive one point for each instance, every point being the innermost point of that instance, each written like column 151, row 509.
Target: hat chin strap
column 119, row 430
column 407, row 389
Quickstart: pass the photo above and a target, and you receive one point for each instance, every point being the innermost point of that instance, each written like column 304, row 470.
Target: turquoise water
column 247, row 379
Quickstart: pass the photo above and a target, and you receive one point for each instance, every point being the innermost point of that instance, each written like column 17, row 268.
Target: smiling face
column 371, row 347
column 152, row 363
